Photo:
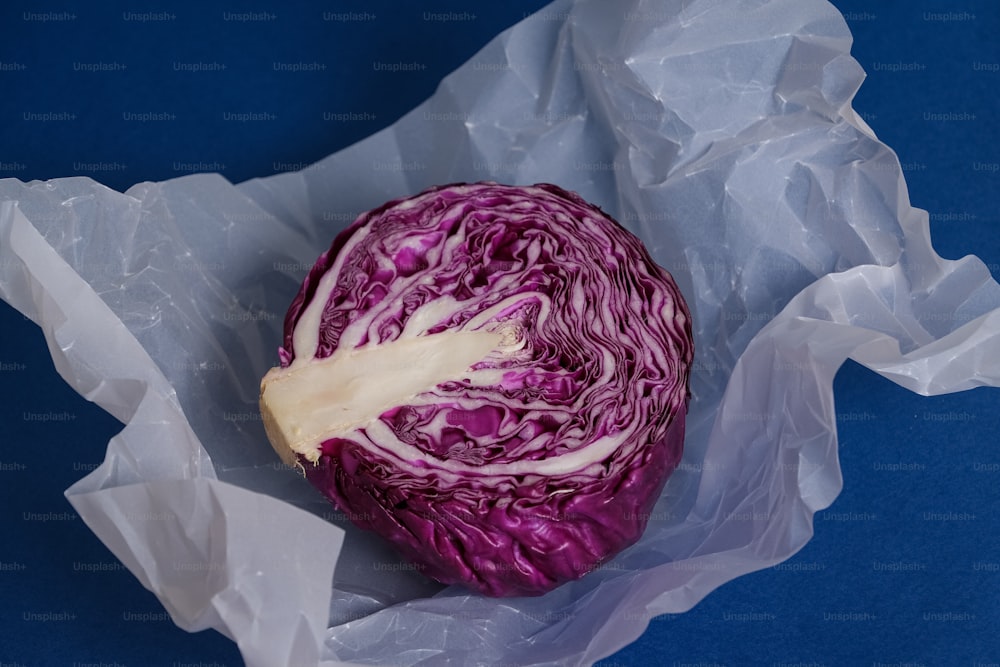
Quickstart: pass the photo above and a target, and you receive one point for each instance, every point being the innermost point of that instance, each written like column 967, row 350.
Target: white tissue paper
column 720, row 132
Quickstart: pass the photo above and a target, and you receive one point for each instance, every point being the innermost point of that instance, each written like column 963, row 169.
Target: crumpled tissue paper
column 719, row 131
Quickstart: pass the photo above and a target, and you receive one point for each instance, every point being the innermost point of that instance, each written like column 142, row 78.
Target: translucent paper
column 719, row 132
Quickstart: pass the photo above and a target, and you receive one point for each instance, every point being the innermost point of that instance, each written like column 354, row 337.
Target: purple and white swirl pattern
column 543, row 458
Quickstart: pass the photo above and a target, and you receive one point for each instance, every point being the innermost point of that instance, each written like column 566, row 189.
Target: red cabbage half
column 493, row 378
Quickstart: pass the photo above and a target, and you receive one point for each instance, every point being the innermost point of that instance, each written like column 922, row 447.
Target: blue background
column 903, row 568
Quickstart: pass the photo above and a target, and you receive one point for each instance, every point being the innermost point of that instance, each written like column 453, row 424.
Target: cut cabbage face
column 493, row 378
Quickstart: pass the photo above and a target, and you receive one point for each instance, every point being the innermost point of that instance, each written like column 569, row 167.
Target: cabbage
column 493, row 378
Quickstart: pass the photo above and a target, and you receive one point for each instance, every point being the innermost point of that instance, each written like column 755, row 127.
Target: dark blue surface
column 904, row 568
